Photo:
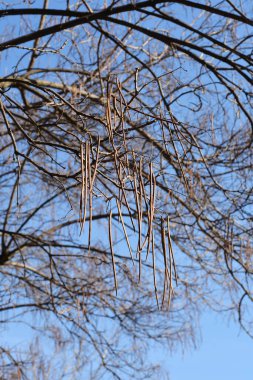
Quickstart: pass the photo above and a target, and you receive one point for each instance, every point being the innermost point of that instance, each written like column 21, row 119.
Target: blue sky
column 224, row 353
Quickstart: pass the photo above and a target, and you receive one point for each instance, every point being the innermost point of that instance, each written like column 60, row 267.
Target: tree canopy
column 126, row 180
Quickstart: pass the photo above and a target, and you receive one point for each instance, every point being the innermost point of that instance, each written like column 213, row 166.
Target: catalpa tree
column 126, row 180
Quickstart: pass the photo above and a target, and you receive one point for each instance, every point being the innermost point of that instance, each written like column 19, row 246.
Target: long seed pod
column 171, row 250
column 165, row 285
column 96, row 163
column 154, row 269
column 139, row 224
column 82, row 197
column 112, row 253
column 151, row 207
column 121, row 187
column 90, row 195
column 138, row 202
column 124, row 229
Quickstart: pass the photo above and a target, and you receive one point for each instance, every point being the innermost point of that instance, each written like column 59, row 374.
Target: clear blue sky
column 226, row 353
